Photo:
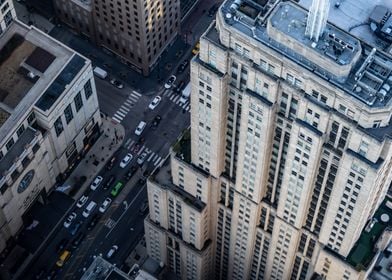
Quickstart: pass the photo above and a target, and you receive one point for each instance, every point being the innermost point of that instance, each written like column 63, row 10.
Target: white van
column 139, row 129
column 89, row 209
column 100, row 73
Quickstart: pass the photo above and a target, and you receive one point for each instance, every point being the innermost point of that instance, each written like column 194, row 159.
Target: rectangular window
column 68, row 114
column 10, row 143
column 20, row 130
column 78, row 102
column 58, row 126
column 88, row 91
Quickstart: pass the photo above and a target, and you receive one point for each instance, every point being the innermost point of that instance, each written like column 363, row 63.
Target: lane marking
column 117, row 117
column 135, row 92
column 123, row 110
column 149, row 158
column 120, row 114
column 171, row 97
column 156, row 162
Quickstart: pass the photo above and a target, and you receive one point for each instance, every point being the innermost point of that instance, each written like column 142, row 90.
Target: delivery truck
column 186, row 92
column 100, row 73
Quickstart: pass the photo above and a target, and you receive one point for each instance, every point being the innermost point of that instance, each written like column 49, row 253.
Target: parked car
column 82, row 201
column 141, row 158
column 94, row 221
column 140, row 127
column 155, row 102
column 116, row 83
column 68, row 221
column 75, row 228
column 130, row 173
column 64, row 256
column 109, row 182
column 170, row 82
column 182, row 66
column 117, row 188
column 143, row 208
column 95, row 184
column 126, row 160
column 111, row 162
column 105, row 205
column 62, row 244
column 112, row 251
column 78, row 239
column 155, row 122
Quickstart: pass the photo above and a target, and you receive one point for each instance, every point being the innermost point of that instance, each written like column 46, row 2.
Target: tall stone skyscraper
column 285, row 170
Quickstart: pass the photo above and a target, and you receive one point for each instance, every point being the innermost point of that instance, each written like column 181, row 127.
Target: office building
column 136, row 31
column 285, row 170
column 49, row 116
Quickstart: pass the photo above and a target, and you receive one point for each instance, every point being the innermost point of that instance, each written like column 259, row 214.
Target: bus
column 117, row 188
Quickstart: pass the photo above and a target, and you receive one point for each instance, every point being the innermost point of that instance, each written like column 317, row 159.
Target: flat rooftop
column 357, row 67
column 362, row 254
column 30, row 63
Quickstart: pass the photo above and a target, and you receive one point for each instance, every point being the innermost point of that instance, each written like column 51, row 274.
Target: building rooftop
column 362, row 254
column 359, row 68
column 383, row 267
column 34, row 67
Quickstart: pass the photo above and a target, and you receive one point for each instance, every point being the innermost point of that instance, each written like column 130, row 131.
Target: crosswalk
column 151, row 157
column 175, row 98
column 126, row 107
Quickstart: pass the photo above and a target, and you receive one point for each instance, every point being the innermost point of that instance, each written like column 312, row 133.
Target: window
column 88, row 91
column 20, row 130
column 31, row 118
column 10, row 143
column 68, row 114
column 58, row 126
column 78, row 102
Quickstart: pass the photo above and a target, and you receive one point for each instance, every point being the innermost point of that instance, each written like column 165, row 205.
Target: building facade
column 134, row 30
column 286, row 166
column 49, row 116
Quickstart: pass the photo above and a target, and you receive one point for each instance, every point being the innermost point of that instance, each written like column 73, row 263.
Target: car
column 143, row 208
column 78, row 239
column 62, row 244
column 182, row 66
column 180, row 87
column 141, row 158
column 170, row 82
column 69, row 219
column 64, row 256
column 116, row 83
column 130, row 173
column 126, row 160
column 212, row 11
column 94, row 221
column 196, row 49
column 155, row 102
column 75, row 228
column 111, row 162
column 109, row 182
column 82, row 201
column 117, row 188
column 105, row 205
column 112, row 251
column 155, row 122
column 140, row 127
column 95, row 184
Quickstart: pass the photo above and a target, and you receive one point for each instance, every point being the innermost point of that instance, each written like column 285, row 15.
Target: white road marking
column 171, row 97
column 120, row 114
column 176, row 99
column 188, row 108
column 149, row 158
column 135, row 92
column 123, row 110
column 162, row 160
column 133, row 98
column 155, row 157
column 141, row 150
column 117, row 117
column 127, row 106
column 130, row 144
column 116, row 120
column 156, row 162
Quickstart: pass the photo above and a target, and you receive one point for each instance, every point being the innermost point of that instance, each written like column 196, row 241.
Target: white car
column 155, row 102
column 69, row 220
column 170, row 82
column 126, row 160
column 82, row 201
column 140, row 127
column 112, row 251
column 105, row 205
column 142, row 158
column 95, row 184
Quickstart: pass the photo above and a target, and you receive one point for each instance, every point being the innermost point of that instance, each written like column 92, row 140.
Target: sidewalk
column 96, row 157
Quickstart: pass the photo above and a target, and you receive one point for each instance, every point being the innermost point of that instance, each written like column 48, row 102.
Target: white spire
column 317, row 19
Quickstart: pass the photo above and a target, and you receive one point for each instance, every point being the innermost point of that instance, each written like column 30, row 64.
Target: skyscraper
column 285, row 170
column 134, row 30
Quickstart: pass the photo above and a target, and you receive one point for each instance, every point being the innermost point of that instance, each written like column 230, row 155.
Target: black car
column 94, row 221
column 62, row 244
column 155, row 122
column 180, row 87
column 76, row 242
column 109, row 182
column 130, row 173
column 182, row 66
